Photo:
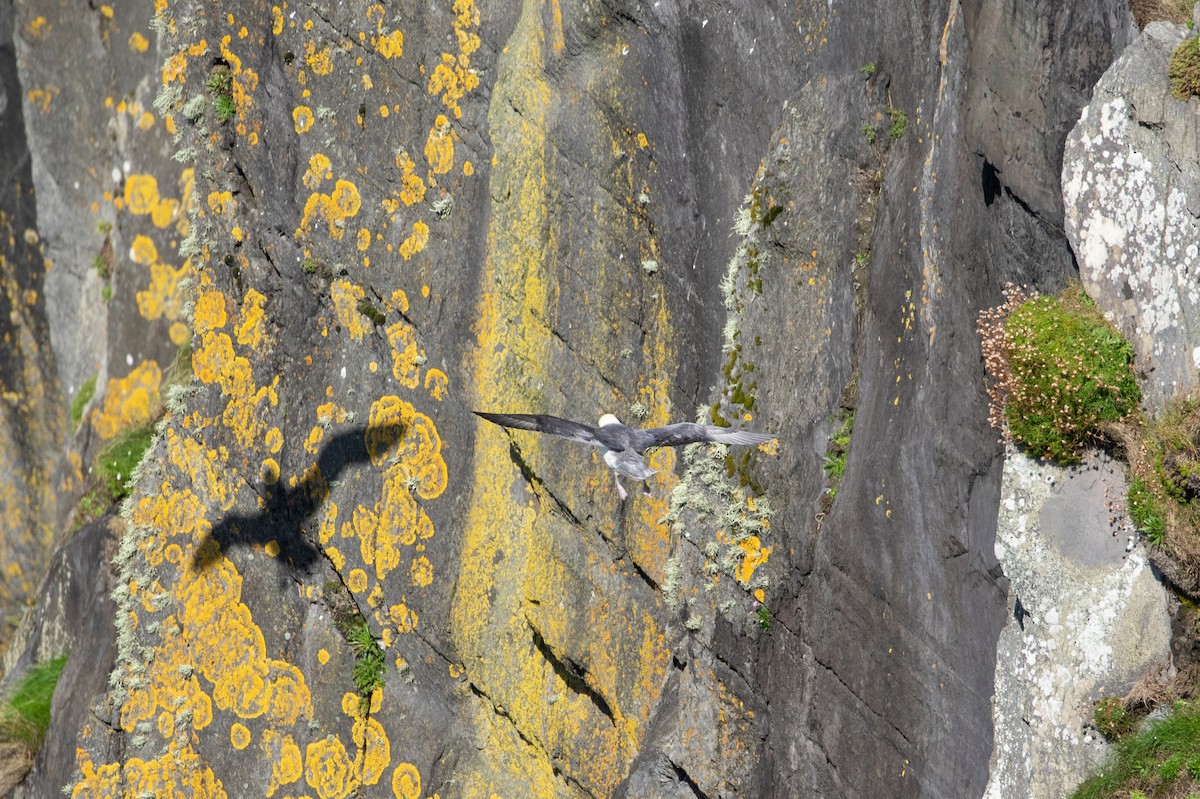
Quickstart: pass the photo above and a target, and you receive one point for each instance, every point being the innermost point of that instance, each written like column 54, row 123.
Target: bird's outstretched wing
column 674, row 435
column 563, row 428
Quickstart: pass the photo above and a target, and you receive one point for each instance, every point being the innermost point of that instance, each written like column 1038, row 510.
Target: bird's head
column 608, row 419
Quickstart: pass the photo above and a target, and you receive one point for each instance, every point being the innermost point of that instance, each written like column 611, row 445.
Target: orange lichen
column 406, row 354
column 318, row 170
column 129, row 401
column 287, row 765
column 163, row 297
column 302, row 118
column 406, row 782
column 328, row 768
column 334, row 208
column 453, row 77
column 439, row 146
column 250, row 325
column 416, row 241
column 346, row 297
column 412, row 187
column 141, row 194
column 437, row 384
column 755, row 555
column 318, row 60
column 390, row 45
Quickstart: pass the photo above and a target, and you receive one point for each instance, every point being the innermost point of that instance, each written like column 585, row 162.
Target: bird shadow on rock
column 289, row 509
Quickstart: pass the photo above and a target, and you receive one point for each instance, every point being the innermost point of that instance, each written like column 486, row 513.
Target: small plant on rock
column 368, row 663
column 1112, row 719
column 1060, row 372
column 1184, row 69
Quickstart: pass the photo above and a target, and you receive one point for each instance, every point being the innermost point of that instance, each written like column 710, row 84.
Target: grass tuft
column 368, row 665
column 117, row 462
column 25, row 714
column 1162, row 759
column 87, row 390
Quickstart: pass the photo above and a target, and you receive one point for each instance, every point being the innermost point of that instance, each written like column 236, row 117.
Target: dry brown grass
column 1147, row 11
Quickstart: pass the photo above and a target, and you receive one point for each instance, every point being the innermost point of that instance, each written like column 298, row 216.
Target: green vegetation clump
column 1184, row 69
column 368, row 664
column 839, row 448
column 764, row 619
column 87, row 390
column 1146, row 510
column 25, row 714
column 1061, row 372
column 899, row 123
column 1162, row 759
column 220, row 86
column 117, row 462
column 371, row 312
column 1112, row 719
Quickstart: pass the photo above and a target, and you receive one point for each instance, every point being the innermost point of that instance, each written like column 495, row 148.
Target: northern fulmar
column 625, row 447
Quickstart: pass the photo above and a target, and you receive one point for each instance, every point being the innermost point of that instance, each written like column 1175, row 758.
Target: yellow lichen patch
column 250, row 324
column 130, row 401
column 39, row 27
column 318, row 60
column 273, row 440
column 207, row 469
column 390, row 45
column 269, row 473
column 209, row 313
column 453, row 77
column 281, row 751
column 302, row 118
column 403, row 617
column 143, row 251
column 334, row 208
column 276, row 20
column 328, row 768
column 239, row 736
column 178, row 772
column 221, row 202
column 141, row 194
column 755, row 555
column 318, row 170
column 357, row 581
column 406, row 782
column 407, row 355
column 374, row 750
column 421, row 572
column 399, row 301
column 346, row 297
column 363, row 239
column 412, row 188
column 272, row 548
column 138, row 43
column 439, row 146
column 437, row 384
column 416, row 241
column 163, row 297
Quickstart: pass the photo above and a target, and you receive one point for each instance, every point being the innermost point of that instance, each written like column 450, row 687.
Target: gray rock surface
column 1088, row 617
column 1131, row 190
column 418, row 210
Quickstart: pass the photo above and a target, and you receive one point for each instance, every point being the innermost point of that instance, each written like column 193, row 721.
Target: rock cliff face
column 361, row 221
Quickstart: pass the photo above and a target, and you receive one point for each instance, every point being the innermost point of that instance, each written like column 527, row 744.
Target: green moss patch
column 83, row 396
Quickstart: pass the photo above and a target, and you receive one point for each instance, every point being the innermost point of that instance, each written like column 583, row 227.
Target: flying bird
column 624, row 447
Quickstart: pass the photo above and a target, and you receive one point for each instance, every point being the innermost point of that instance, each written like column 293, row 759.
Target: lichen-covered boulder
column 1131, row 192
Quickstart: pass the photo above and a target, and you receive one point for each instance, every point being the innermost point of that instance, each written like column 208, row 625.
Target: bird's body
column 624, row 447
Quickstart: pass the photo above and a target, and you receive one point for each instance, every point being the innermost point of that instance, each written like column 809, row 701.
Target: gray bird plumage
column 625, row 447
